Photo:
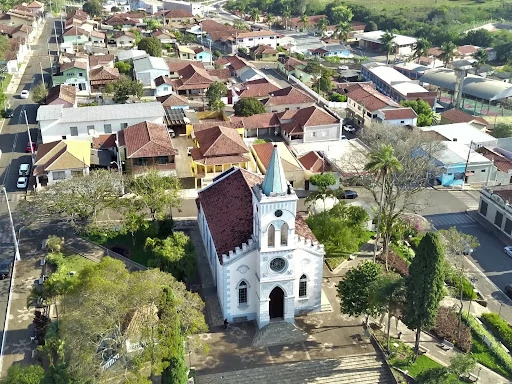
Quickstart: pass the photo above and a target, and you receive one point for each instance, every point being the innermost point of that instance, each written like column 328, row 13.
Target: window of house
column 77, row 173
column 58, row 175
column 124, row 125
column 73, row 131
column 483, row 208
column 242, row 293
column 508, row 226
column 271, row 236
column 162, row 160
column 402, row 121
column 166, row 88
column 483, row 170
column 69, row 74
column 284, row 234
column 80, row 74
column 250, row 39
column 498, row 219
column 324, row 133
column 141, row 161
column 313, row 134
column 64, row 137
column 303, row 286
column 107, row 128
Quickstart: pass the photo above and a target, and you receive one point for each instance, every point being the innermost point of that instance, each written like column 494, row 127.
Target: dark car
column 349, row 194
column 508, row 290
column 8, row 113
column 5, row 269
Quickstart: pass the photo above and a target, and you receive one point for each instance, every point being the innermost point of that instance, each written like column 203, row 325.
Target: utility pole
column 467, row 162
column 15, row 240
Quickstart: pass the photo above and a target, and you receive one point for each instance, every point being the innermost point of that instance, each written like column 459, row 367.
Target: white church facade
column 265, row 261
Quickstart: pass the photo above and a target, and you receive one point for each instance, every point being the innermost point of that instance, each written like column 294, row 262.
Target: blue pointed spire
column 275, row 181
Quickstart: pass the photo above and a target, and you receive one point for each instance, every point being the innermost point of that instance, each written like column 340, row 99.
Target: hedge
column 499, row 327
column 446, row 327
column 495, row 347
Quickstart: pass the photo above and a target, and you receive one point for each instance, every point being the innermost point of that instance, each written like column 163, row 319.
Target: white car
column 24, row 170
column 343, row 137
column 22, row 182
column 24, row 94
column 508, row 250
column 342, row 67
column 349, row 128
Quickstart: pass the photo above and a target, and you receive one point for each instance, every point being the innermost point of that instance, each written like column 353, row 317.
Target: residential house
column 97, row 39
column 403, row 45
column 124, row 39
column 315, row 163
column 502, row 161
column 175, row 66
column 147, row 146
column 192, row 7
column 217, row 149
column 15, row 55
column 19, row 31
column 328, row 50
column 399, row 116
column 197, row 53
column 259, row 125
column 285, row 99
column 36, row 7
column 96, row 61
column 192, row 80
column 252, row 39
column 264, row 53
column 164, row 36
column 495, row 205
column 455, row 115
column 101, row 76
column 264, row 259
column 125, row 20
column 173, row 102
column 147, row 69
column 85, row 123
column 291, row 66
column 76, row 36
column 130, row 54
column 259, row 89
column 60, row 160
column 250, row 74
column 293, row 170
column 73, row 72
column 223, row 37
column 62, row 94
column 174, row 17
column 296, row 22
column 15, row 17
column 163, row 86
column 308, row 125
column 235, row 64
column 464, row 133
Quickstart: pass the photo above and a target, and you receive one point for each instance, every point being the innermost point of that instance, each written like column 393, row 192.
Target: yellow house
column 293, row 170
column 217, row 149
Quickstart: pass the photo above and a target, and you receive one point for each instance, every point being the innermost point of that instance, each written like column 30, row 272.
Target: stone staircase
column 278, row 333
column 361, row 369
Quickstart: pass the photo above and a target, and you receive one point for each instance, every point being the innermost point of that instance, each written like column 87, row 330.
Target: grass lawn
column 6, row 81
column 484, row 356
column 137, row 252
column 332, row 261
column 67, row 263
column 418, row 6
column 421, row 365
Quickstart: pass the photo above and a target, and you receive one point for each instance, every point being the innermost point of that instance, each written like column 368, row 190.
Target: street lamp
column 473, row 282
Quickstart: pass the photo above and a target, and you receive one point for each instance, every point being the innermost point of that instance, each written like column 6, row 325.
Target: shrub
column 337, row 97
column 395, row 262
column 481, row 333
column 402, row 250
column 55, row 258
column 55, row 243
column 499, row 327
column 415, row 241
column 446, row 328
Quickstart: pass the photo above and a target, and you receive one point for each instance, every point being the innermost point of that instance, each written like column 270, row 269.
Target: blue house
column 194, row 53
column 339, row 50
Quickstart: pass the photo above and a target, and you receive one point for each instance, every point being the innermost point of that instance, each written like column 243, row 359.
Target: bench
column 422, row 350
column 470, row 377
column 446, row 345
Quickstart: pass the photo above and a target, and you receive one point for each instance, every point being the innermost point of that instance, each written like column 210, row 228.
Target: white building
column 464, row 133
column 404, row 45
column 84, row 123
column 265, row 261
column 252, row 39
column 148, row 68
column 197, row 9
column 495, row 207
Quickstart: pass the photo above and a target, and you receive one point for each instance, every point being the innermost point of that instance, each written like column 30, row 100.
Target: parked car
column 8, row 113
column 5, row 269
column 22, row 182
column 27, row 148
column 349, row 194
column 508, row 290
column 349, row 128
column 508, row 250
column 24, row 170
column 342, row 67
column 24, row 94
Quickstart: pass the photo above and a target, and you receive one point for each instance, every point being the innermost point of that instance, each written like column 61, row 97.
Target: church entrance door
column 276, row 305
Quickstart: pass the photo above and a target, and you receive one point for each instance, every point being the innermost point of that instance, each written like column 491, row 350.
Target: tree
column 480, row 37
column 321, row 25
column 156, row 192
column 482, row 57
column 382, row 162
column 255, row 14
column 424, row 286
column 134, row 221
column 215, row 92
column 55, row 243
column 79, row 199
column 151, row 45
column 448, row 53
column 462, row 364
column 341, row 14
column 304, row 19
column 502, row 130
column 124, row 67
column 20, row 374
column 217, row 105
column 217, row 54
column 323, row 182
column 174, row 255
column 456, row 242
column 386, row 294
column 270, row 20
column 93, row 8
column 422, row 47
column 248, row 106
column 123, row 88
column 387, row 42
column 324, row 83
column 152, row 24
column 342, row 30
column 4, row 46
column 286, row 17
column 371, row 26
column 422, row 109
column 313, row 67
column 39, row 93
column 354, row 288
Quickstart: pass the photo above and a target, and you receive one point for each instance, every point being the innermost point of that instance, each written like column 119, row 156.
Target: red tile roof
column 221, row 74
column 501, row 162
column 312, row 161
column 176, row 66
column 368, row 96
column 260, row 120
column 104, row 141
column 465, row 50
column 163, row 80
column 287, row 96
column 62, row 94
column 175, row 14
column 237, row 63
column 73, row 64
column 264, row 152
column 103, row 75
column 76, row 31
column 220, row 141
column 209, row 123
column 97, row 60
column 192, row 77
column 306, row 117
column 302, row 229
column 257, row 89
column 172, row 101
column 148, row 140
column 457, row 116
column 399, row 113
column 291, row 63
column 263, row 50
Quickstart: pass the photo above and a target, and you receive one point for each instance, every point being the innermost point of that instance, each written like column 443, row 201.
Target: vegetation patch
column 499, row 327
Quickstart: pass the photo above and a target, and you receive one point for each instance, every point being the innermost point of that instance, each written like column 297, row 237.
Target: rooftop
column 387, row 74
column 457, row 116
column 149, row 62
column 464, row 133
column 457, row 153
column 374, row 36
column 148, row 139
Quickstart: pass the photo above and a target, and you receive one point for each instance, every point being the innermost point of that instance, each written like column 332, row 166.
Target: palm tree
column 387, row 43
column 270, row 20
column 304, row 19
column 255, row 14
column 382, row 162
column 321, row 25
column 286, row 16
column 481, row 56
column 448, row 52
column 422, row 47
column 342, row 30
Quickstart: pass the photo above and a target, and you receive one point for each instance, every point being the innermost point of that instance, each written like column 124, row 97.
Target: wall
column 495, row 204
column 68, row 172
column 330, row 132
column 249, row 42
column 163, row 90
column 76, row 40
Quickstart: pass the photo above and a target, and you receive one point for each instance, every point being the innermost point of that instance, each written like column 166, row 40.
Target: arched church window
column 284, row 234
column 271, row 236
column 242, row 293
column 303, row 286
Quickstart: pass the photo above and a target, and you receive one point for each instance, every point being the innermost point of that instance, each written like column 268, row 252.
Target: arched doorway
column 276, row 304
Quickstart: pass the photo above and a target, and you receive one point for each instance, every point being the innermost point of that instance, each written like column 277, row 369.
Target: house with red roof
column 455, row 115
column 264, row 52
column 265, row 261
column 291, row 66
column 285, row 99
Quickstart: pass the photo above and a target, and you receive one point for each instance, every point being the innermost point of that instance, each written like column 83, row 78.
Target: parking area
column 183, row 161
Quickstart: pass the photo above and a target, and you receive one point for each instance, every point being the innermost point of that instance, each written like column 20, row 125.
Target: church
column 265, row 261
